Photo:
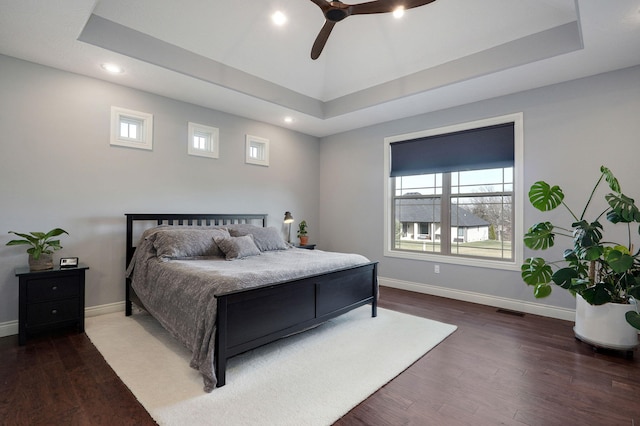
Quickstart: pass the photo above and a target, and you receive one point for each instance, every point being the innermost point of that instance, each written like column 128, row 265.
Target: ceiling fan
column 335, row 11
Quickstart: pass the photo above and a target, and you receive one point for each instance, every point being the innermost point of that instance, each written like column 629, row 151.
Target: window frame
column 122, row 115
column 213, row 139
column 518, row 196
column 262, row 145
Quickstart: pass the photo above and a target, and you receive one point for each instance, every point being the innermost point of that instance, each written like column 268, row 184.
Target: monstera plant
column 598, row 270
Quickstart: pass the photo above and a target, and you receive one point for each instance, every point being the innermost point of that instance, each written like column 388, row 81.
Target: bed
column 220, row 308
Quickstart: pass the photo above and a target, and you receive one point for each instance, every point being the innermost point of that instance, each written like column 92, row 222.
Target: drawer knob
column 55, row 287
column 54, row 311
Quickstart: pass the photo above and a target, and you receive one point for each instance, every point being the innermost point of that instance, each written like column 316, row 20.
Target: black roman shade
column 483, row 148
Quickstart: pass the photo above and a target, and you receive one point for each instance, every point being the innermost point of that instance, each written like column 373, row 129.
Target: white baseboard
column 10, row 328
column 109, row 308
column 483, row 299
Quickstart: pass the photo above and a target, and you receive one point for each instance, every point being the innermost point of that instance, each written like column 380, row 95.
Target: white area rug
column 312, row 378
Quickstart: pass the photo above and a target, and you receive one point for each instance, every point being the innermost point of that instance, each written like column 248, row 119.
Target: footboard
column 247, row 319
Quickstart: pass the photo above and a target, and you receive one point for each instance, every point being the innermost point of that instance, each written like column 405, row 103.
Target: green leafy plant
column 40, row 242
column 302, row 229
column 600, row 271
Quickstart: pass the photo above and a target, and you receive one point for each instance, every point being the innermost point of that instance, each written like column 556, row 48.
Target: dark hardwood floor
column 62, row 379
column 497, row 368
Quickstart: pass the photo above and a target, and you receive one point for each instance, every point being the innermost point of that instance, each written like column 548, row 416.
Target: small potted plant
column 600, row 273
column 42, row 247
column 302, row 233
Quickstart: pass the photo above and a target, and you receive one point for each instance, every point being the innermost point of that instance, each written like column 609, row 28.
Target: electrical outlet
column 436, row 269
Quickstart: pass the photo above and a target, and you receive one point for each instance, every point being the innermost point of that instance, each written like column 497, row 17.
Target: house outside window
column 462, row 213
column 474, row 215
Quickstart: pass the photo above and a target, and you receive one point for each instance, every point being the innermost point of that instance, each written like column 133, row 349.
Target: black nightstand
column 307, row 246
column 50, row 299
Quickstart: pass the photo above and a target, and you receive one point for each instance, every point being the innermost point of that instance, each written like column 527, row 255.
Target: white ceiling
column 230, row 57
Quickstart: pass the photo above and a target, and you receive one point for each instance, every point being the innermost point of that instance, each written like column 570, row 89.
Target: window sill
column 512, row 265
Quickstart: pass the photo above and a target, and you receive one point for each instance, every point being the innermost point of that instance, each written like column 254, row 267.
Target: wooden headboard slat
column 186, row 219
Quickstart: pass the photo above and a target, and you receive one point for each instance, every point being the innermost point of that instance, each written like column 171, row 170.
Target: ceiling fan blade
column 410, row 4
column 322, row 4
column 385, row 6
column 322, row 38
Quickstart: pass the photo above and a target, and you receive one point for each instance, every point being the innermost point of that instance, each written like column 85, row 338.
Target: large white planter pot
column 605, row 325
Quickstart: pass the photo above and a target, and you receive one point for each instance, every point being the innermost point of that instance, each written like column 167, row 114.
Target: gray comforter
column 180, row 293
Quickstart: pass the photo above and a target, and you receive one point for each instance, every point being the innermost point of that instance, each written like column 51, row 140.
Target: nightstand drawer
column 51, row 312
column 52, row 288
column 50, row 299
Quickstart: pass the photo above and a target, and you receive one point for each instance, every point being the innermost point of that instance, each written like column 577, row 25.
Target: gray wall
column 570, row 129
column 57, row 169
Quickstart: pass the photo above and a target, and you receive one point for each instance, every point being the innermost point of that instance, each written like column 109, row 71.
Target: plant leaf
column 535, row 271
column 579, row 285
column 599, row 294
column 591, row 253
column 614, row 217
column 623, row 208
column 35, row 252
column 633, row 318
column 564, row 277
column 55, row 244
column 541, row 290
column 610, row 178
column 618, row 261
column 540, row 236
column 28, row 237
column 587, row 234
column 544, row 197
column 55, row 232
column 18, row 242
column 570, row 255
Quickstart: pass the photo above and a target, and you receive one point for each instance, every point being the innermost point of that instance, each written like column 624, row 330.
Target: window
column 453, row 194
column 479, row 207
column 257, row 150
column 203, row 140
column 132, row 129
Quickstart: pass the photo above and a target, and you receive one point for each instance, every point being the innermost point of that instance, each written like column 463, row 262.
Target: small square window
column 203, row 140
column 132, row 129
column 257, row 150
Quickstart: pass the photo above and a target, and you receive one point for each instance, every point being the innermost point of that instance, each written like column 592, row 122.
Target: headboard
column 186, row 219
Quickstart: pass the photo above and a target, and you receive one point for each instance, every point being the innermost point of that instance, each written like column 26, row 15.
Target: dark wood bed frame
column 254, row 317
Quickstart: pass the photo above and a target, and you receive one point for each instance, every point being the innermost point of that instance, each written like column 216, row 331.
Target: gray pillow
column 186, row 243
column 237, row 247
column 266, row 239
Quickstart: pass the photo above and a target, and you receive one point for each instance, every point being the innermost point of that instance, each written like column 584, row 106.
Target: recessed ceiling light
column 279, row 18
column 112, row 68
column 398, row 12
column 288, row 120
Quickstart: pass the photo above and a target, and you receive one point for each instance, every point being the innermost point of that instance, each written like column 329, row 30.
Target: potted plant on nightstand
column 42, row 247
column 302, row 233
column 604, row 275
